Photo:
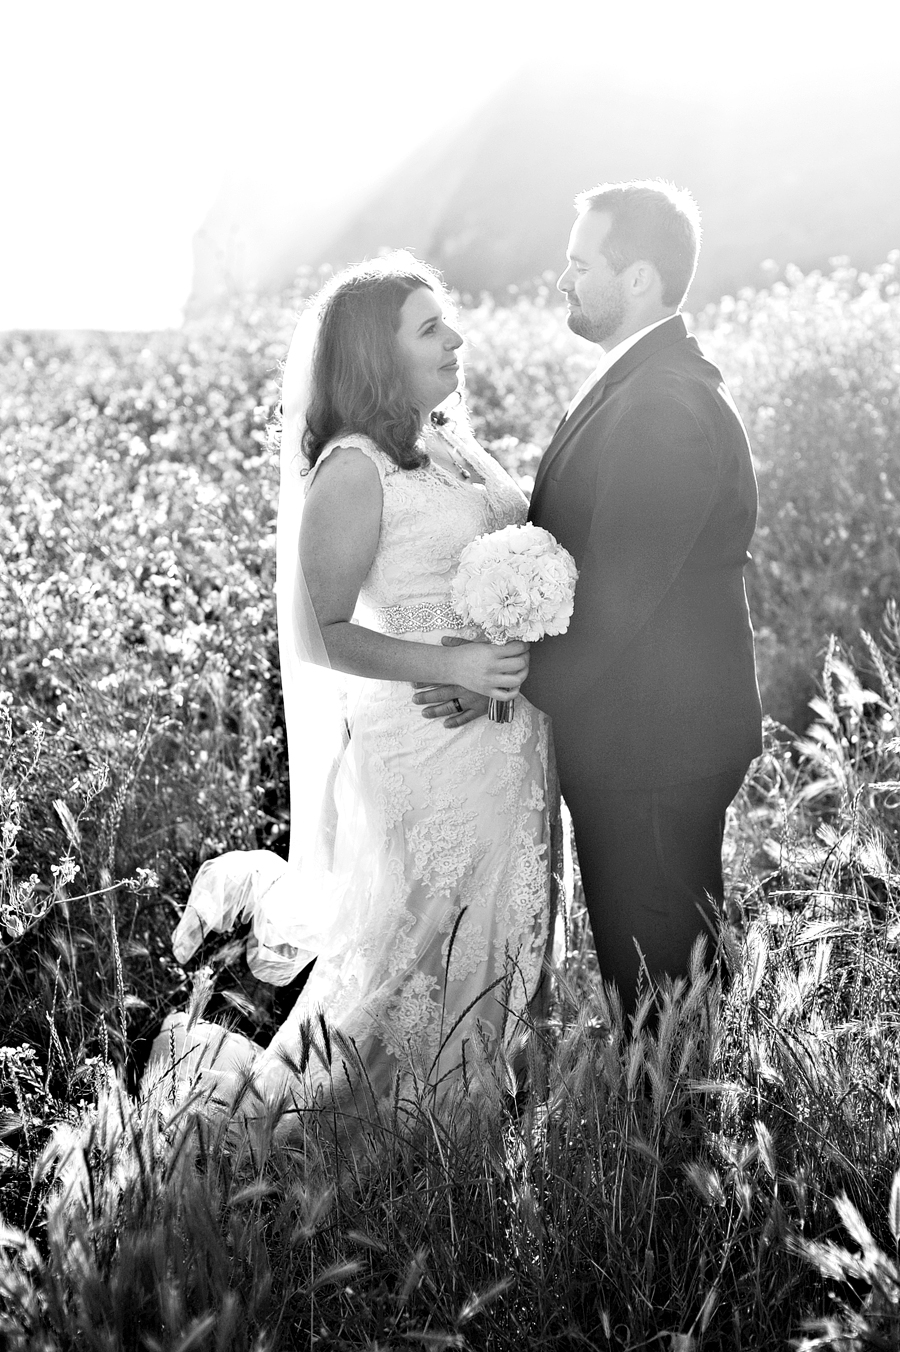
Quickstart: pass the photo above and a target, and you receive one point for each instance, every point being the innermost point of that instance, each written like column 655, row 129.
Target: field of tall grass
column 727, row 1178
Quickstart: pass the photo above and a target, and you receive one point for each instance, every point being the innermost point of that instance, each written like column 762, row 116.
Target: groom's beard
column 606, row 318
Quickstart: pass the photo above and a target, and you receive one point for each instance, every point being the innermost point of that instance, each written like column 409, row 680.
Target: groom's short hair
column 653, row 220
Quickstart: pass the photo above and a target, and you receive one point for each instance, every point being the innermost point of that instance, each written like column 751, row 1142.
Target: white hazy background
column 120, row 123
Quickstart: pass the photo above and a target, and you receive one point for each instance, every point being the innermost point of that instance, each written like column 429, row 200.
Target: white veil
column 285, row 903
column 314, row 695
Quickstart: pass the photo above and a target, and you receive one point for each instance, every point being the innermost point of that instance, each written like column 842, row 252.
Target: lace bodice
column 428, row 518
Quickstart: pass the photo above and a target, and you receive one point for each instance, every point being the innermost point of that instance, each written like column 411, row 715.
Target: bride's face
column 427, row 347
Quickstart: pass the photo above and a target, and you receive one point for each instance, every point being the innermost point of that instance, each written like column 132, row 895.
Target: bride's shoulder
column 343, row 447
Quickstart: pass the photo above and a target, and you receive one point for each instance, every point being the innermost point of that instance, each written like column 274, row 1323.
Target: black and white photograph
column 450, row 676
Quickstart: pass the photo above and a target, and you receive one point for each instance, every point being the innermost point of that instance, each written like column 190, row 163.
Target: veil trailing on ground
column 287, row 905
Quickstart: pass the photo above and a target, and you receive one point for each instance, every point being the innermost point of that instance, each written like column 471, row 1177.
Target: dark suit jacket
column 650, row 486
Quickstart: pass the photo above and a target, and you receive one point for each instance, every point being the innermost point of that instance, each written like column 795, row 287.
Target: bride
column 419, row 876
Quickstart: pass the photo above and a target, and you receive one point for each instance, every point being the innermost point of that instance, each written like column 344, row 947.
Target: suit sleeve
column 656, row 483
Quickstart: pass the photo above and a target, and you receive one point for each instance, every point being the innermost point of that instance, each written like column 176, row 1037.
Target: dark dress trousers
column 650, row 486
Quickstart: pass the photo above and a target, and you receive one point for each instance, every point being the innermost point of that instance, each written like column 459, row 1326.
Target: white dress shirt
column 609, row 359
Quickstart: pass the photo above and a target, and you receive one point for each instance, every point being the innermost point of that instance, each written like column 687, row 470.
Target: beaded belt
column 418, row 619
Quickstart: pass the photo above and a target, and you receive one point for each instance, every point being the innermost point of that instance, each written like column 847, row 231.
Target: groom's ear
column 644, row 277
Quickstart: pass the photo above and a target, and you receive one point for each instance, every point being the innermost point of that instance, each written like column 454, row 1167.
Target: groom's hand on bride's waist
column 453, row 703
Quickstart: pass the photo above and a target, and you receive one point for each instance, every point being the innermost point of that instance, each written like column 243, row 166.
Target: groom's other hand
column 446, row 701
column 453, row 703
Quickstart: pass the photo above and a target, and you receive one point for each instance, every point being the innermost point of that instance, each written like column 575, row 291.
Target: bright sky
column 120, row 122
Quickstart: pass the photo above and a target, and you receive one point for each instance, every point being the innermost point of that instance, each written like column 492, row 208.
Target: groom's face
column 596, row 294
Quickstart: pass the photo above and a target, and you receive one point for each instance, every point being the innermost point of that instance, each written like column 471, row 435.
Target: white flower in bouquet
column 515, row 583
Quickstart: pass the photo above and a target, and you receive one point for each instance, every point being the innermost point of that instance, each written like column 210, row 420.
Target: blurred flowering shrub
column 137, row 515
column 814, row 366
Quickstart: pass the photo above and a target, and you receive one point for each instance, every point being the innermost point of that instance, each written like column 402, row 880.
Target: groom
column 649, row 484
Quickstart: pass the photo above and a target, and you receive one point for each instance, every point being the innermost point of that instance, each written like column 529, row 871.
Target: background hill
column 789, row 175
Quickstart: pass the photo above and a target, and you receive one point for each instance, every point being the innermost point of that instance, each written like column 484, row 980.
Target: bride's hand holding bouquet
column 495, row 670
column 515, row 584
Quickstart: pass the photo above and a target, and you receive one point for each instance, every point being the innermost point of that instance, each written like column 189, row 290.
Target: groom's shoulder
column 682, row 370
column 678, row 381
column 679, row 371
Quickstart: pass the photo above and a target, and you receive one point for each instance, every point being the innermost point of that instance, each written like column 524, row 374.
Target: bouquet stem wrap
column 515, row 583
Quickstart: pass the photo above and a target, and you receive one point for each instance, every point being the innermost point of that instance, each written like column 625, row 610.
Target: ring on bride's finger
column 457, row 706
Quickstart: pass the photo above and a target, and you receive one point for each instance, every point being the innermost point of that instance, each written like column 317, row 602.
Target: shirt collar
column 612, row 356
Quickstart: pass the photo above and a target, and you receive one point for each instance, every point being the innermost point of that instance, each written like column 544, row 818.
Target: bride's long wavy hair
column 357, row 379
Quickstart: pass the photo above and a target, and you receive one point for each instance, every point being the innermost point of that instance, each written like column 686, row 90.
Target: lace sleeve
column 356, row 441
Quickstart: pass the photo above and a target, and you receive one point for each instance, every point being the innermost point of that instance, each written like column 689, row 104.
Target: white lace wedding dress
column 441, row 834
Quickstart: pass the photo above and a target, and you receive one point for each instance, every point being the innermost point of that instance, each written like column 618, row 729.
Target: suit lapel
column 673, row 331
column 567, row 428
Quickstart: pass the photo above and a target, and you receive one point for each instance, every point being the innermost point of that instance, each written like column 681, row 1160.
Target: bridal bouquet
column 515, row 583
